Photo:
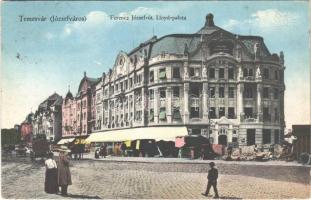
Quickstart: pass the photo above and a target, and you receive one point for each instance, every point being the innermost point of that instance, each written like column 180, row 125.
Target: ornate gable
column 121, row 65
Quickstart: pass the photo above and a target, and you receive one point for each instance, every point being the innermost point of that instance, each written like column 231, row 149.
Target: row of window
column 162, row 114
column 195, row 72
column 266, row 136
column 248, row 113
column 124, row 85
column 247, row 72
column 249, row 92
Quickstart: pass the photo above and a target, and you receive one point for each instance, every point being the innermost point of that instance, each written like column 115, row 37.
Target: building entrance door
column 251, row 137
column 222, row 139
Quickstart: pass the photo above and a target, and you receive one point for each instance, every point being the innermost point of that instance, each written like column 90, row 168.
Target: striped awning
column 147, row 133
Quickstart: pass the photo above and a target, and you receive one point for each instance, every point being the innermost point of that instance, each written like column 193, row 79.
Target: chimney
column 209, row 20
column 84, row 73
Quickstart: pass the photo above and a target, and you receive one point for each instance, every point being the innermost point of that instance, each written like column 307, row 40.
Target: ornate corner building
column 224, row 86
column 78, row 112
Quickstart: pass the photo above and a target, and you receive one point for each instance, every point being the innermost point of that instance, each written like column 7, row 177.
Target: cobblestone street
column 111, row 179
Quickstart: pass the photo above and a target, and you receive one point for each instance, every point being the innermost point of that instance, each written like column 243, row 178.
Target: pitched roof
column 175, row 44
column 69, row 95
column 250, row 41
column 58, row 101
column 50, row 101
column 91, row 81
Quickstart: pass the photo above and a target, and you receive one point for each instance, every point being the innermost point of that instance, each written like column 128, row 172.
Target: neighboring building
column 48, row 118
column 224, row 86
column 303, row 143
column 26, row 128
column 79, row 112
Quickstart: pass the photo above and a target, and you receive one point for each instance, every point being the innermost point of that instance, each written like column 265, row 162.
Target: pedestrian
column 229, row 151
column 64, row 175
column 123, row 148
column 97, row 153
column 212, row 180
column 103, row 151
column 50, row 184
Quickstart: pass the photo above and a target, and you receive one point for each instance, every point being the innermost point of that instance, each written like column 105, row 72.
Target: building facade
column 224, row 86
column 48, row 118
column 79, row 112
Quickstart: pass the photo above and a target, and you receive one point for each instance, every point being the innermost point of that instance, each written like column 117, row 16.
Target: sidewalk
column 90, row 156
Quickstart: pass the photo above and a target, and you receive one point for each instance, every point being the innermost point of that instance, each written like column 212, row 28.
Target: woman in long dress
column 51, row 185
column 64, row 175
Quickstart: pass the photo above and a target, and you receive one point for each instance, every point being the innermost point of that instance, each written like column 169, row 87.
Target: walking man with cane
column 212, row 180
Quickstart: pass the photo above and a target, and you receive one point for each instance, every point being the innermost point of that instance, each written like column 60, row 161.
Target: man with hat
column 64, row 175
column 212, row 180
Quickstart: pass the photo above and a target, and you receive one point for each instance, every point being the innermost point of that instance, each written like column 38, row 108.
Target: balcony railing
column 176, row 102
column 194, row 102
column 162, row 102
column 248, row 78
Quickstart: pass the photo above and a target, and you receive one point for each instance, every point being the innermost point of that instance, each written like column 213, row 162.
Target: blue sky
column 55, row 55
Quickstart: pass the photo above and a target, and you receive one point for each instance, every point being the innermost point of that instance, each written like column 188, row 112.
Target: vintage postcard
column 155, row 100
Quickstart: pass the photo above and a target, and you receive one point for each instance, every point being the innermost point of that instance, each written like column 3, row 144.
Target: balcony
column 194, row 102
column 138, row 105
column 176, row 102
column 248, row 78
column 162, row 102
column 195, row 78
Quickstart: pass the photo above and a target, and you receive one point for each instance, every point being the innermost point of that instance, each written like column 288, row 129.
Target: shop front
column 149, row 141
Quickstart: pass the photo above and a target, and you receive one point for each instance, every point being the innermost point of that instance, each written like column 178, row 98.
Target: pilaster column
column 259, row 102
column 205, row 99
column 123, row 111
column 143, row 105
column 240, row 109
column 109, row 113
column 186, row 71
column 240, row 72
column 281, row 111
column 230, row 130
column 169, row 104
column 133, row 108
column 114, row 112
column 215, row 134
column 103, row 115
column 156, row 105
column 186, row 103
column 128, row 109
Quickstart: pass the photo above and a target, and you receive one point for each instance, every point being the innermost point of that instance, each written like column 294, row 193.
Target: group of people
column 57, row 174
column 101, row 152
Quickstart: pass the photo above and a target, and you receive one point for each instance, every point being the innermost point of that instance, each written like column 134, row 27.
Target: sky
column 40, row 58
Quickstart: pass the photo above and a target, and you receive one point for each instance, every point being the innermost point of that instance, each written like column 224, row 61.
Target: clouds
column 140, row 11
column 95, row 20
column 264, row 20
column 273, row 18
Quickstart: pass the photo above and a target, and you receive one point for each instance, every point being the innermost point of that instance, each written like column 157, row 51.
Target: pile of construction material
column 254, row 152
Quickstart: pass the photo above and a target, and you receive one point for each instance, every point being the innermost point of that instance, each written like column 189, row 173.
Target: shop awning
column 148, row 133
column 65, row 140
column 80, row 141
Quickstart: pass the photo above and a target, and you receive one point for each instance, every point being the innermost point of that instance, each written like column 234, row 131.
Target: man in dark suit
column 212, row 180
